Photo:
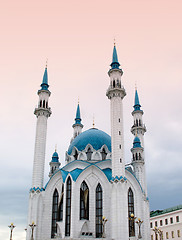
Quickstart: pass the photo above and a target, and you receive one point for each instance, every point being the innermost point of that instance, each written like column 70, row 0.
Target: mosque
column 95, row 195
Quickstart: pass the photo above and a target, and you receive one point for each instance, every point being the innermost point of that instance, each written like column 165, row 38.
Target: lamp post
column 160, row 233
column 132, row 219
column 32, row 226
column 104, row 220
column 139, row 223
column 11, row 226
column 156, row 232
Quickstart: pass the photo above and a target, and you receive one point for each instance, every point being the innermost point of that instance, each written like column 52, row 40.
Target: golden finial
column 114, row 41
column 135, row 85
column 56, row 148
column 78, row 100
column 46, row 62
column 93, row 122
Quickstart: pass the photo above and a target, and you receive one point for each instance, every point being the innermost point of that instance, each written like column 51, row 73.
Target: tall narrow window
column 131, row 211
column 98, row 211
column 60, row 209
column 41, row 103
column 68, row 207
column 89, row 154
column 84, row 201
column 76, row 155
column 44, row 104
column 54, row 213
column 104, row 154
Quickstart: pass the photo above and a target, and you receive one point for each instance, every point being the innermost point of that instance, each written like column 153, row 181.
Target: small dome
column 55, row 157
column 96, row 138
column 136, row 142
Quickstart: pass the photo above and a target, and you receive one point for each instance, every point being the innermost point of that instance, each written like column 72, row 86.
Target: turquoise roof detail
column 44, row 85
column 94, row 137
column 115, row 63
column 136, row 143
column 167, row 210
column 137, row 103
column 55, row 157
column 78, row 117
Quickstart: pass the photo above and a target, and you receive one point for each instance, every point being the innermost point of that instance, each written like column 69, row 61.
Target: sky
column 77, row 38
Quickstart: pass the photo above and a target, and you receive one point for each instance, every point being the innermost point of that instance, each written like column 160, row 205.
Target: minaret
column 138, row 128
column 54, row 164
column 138, row 158
column 42, row 112
column 77, row 126
column 116, row 93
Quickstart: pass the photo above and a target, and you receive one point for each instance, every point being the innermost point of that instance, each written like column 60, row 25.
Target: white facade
column 169, row 221
column 94, row 195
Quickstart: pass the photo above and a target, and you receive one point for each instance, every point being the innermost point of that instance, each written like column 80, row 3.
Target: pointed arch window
column 76, row 155
column 44, row 104
column 131, row 222
column 99, row 210
column 89, row 154
column 54, row 213
column 84, row 201
column 104, row 154
column 68, row 207
column 41, row 103
column 114, row 84
column 60, row 209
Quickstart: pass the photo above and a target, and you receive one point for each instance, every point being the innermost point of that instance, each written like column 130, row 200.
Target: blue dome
column 136, row 142
column 94, row 137
column 55, row 157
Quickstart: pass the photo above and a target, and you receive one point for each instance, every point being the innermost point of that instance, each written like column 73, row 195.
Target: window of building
column 172, row 234
column 98, row 211
column 120, row 146
column 84, row 201
column 177, row 218
column 54, row 213
column 171, row 220
column 167, row 235
column 131, row 211
column 151, row 225
column 104, row 154
column 89, row 154
column 161, row 223
column 68, row 207
column 156, row 223
column 178, row 233
column 119, row 133
column 119, row 120
column 166, row 221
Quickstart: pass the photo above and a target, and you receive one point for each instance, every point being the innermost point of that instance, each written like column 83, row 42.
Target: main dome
column 94, row 137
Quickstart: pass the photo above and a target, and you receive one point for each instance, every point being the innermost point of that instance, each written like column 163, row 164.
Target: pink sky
column 77, row 38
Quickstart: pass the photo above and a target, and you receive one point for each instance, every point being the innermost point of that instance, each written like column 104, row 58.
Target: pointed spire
column 115, row 63
column 44, row 84
column 78, row 117
column 137, row 103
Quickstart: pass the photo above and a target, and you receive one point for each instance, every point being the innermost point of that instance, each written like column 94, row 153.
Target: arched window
column 76, row 155
column 137, row 122
column 131, row 211
column 140, row 123
column 89, row 154
column 68, row 207
column 98, row 211
column 60, row 209
column 140, row 157
column 84, row 201
column 41, row 103
column 46, row 104
column 136, row 156
column 114, row 84
column 54, row 213
column 104, row 154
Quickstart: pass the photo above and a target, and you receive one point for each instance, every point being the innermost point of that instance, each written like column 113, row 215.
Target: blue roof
column 137, row 103
column 44, row 84
column 55, row 157
column 136, row 142
column 94, row 137
column 115, row 63
column 78, row 117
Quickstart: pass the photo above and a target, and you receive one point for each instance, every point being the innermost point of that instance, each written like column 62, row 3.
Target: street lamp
column 156, row 232
column 32, row 226
column 104, row 220
column 132, row 219
column 11, row 226
column 139, row 223
column 160, row 233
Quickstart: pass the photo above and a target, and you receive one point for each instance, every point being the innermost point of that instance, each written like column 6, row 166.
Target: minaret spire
column 77, row 126
column 42, row 112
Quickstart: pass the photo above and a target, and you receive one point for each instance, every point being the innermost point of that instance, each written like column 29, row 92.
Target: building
column 169, row 221
column 95, row 194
